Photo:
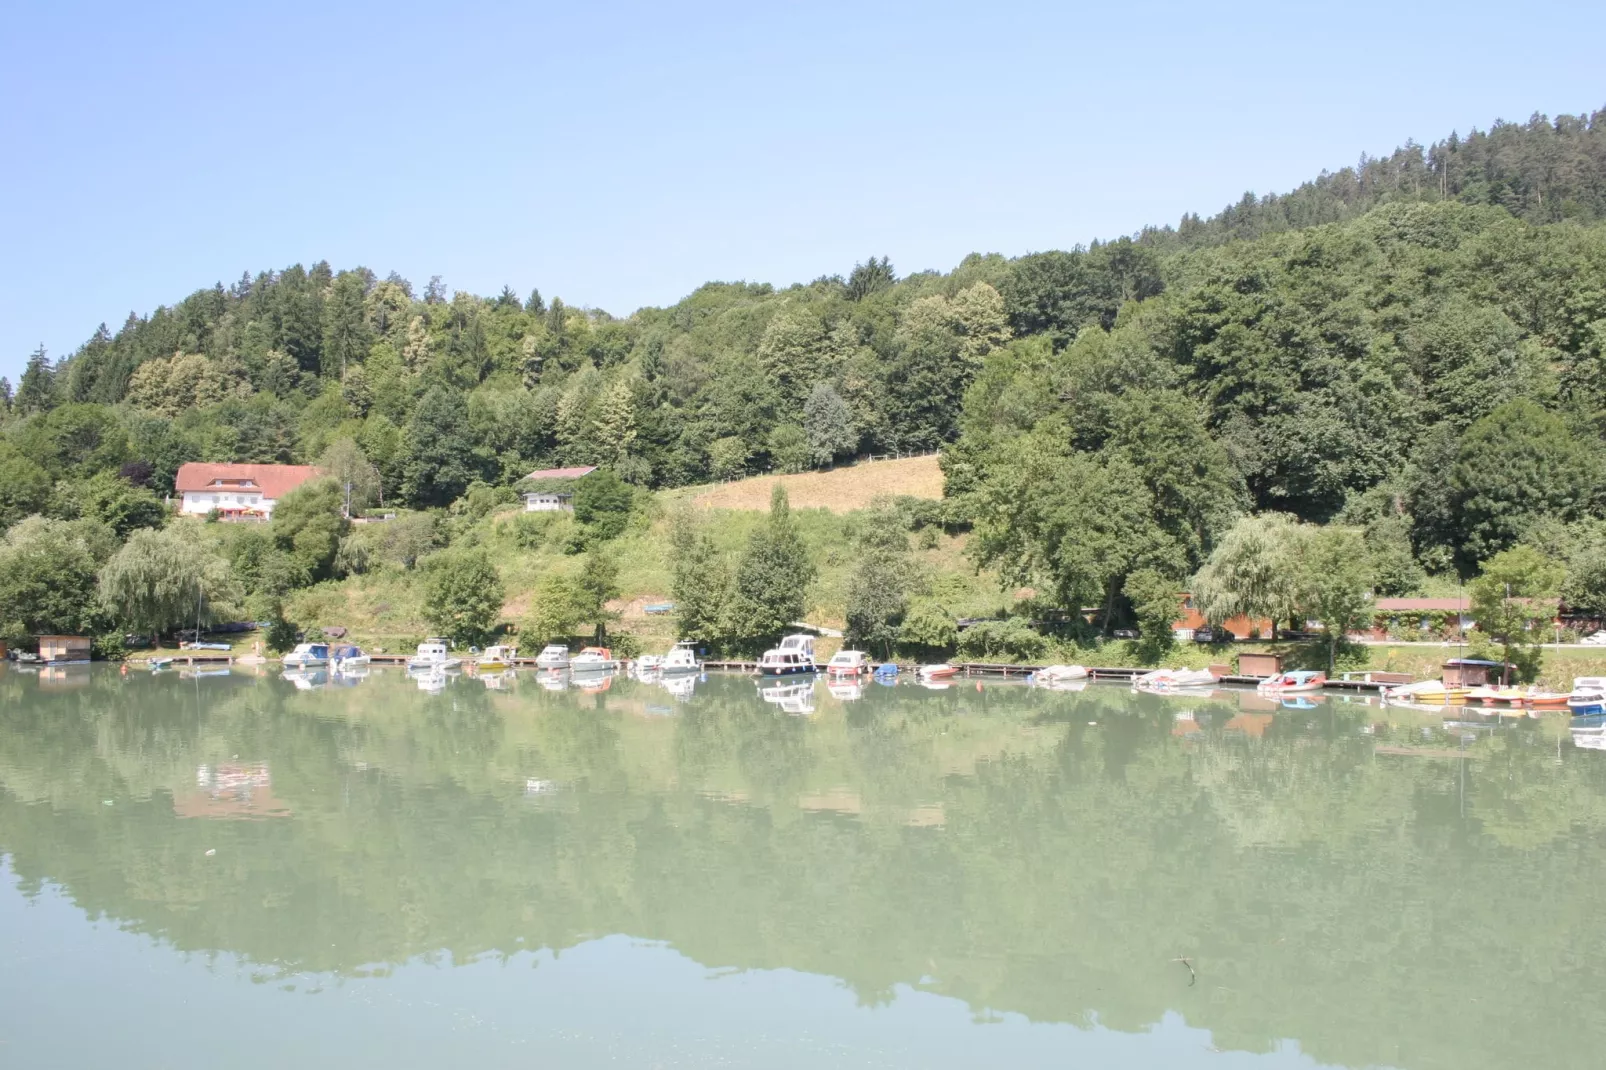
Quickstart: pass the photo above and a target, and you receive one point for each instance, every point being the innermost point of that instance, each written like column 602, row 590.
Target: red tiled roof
column 563, row 473
column 273, row 480
column 1421, row 605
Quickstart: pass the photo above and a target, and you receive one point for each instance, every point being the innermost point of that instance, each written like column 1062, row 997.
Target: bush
column 624, row 645
column 1013, row 639
column 927, row 627
column 108, row 646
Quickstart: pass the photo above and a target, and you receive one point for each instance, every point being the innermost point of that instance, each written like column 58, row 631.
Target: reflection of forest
column 1041, row 853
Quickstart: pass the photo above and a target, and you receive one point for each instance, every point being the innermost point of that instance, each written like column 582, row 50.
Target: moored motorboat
column 1290, row 683
column 593, row 659
column 347, row 658
column 795, row 655
column 848, row 663
column 307, row 656
column 553, row 656
column 432, row 655
column 936, row 672
column 680, row 660
column 497, row 658
column 1588, row 696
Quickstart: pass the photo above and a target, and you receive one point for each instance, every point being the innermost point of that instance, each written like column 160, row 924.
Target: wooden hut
column 64, row 649
column 1470, row 672
column 1266, row 665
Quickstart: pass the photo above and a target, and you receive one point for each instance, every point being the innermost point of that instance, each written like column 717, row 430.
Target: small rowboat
column 1545, row 700
column 936, row 672
column 1290, row 683
column 1490, row 695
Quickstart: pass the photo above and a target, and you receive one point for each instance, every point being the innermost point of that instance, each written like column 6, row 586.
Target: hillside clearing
column 840, row 490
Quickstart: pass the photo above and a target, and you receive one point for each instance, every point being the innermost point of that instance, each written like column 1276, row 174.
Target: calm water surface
column 234, row 870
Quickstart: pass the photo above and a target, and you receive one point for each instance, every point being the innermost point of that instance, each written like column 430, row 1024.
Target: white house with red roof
column 237, row 491
column 548, row 499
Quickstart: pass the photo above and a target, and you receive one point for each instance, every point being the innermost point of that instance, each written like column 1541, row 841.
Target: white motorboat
column 307, row 656
column 794, row 655
column 848, row 663
column 681, row 659
column 553, row 656
column 593, row 659
column 432, row 655
column 347, row 659
column 647, row 664
column 1588, row 697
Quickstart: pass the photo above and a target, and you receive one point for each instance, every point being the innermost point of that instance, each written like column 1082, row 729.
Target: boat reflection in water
column 794, row 698
column 848, row 690
column 1009, row 877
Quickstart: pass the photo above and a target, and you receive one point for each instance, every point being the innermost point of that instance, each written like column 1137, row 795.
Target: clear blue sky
column 618, row 155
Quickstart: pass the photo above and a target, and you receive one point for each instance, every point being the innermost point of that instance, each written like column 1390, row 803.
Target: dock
column 984, row 670
column 188, row 658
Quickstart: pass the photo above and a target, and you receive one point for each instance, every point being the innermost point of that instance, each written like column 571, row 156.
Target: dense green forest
column 1411, row 351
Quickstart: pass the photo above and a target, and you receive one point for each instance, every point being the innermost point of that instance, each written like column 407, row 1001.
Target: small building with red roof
column 550, row 490
column 237, row 491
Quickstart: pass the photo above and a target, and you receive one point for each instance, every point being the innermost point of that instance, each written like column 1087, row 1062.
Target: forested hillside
column 1410, row 351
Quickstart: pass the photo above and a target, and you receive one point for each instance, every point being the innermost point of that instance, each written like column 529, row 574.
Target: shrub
column 1013, row 638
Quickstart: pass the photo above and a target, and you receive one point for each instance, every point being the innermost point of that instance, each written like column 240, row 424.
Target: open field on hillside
column 385, row 608
column 840, row 490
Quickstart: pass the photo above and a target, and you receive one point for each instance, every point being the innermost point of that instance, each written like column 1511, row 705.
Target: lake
column 246, row 871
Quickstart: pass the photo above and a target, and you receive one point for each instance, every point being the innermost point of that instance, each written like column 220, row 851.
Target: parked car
column 1207, row 635
column 1125, row 633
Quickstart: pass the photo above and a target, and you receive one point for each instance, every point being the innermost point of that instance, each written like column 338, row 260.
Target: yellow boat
column 1489, row 695
column 1428, row 693
column 497, row 657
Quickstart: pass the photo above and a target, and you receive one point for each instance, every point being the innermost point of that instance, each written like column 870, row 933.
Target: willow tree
column 1255, row 571
column 163, row 579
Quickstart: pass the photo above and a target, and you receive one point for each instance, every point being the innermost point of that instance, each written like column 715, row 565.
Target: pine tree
column 346, row 337
column 37, row 390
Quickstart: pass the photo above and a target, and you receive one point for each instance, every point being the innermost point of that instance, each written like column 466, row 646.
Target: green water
column 231, row 870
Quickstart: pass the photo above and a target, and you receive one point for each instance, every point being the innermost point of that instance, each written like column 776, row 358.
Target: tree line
column 1420, row 362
